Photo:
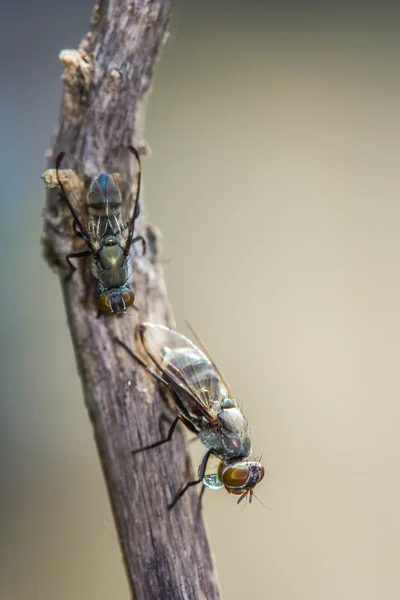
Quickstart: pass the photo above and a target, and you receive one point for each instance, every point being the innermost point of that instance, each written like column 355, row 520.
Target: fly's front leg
column 75, row 255
column 202, row 472
column 203, row 489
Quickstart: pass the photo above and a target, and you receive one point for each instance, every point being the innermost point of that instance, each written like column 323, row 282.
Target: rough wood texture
column 166, row 553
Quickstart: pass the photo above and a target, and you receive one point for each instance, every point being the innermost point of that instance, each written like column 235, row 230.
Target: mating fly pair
column 105, row 208
column 206, row 407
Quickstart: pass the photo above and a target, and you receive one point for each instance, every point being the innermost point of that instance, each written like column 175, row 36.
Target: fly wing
column 74, row 184
column 123, row 165
column 207, row 353
column 106, row 204
column 104, row 207
column 186, row 365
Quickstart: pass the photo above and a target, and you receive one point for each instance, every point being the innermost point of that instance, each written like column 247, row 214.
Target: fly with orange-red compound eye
column 104, row 208
column 206, row 407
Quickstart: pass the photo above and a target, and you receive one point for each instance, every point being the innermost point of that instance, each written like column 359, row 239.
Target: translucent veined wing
column 74, row 184
column 104, row 207
column 105, row 203
column 123, row 164
column 207, row 353
column 186, row 365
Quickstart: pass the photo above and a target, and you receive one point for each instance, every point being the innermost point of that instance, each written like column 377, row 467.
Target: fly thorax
column 230, row 440
column 234, row 430
column 233, row 420
column 111, row 267
column 111, row 254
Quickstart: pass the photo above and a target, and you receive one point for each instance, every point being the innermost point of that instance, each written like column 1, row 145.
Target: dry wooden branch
column 166, row 553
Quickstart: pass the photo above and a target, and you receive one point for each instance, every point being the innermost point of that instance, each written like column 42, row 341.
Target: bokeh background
column 275, row 130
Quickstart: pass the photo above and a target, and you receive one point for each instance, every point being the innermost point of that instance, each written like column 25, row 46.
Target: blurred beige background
column 274, row 179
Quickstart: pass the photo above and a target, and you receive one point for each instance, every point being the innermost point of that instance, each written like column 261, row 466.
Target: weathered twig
column 166, row 553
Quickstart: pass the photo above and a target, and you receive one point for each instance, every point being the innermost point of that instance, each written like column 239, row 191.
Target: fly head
column 240, row 478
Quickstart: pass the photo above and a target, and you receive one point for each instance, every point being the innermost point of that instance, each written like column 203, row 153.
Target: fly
column 105, row 208
column 206, row 407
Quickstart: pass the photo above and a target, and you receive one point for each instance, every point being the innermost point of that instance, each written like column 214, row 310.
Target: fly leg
column 202, row 472
column 203, row 489
column 75, row 255
column 200, row 500
column 142, row 362
column 140, row 238
column 76, row 230
column 80, row 254
column 175, row 422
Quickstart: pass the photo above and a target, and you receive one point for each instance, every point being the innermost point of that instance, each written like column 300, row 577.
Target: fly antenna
column 264, row 505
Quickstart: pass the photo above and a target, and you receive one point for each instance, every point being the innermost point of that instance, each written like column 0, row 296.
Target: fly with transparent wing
column 206, row 406
column 105, row 207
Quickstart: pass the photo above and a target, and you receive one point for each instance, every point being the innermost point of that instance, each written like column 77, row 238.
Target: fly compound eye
column 128, row 297
column 104, row 304
column 242, row 476
column 235, row 477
